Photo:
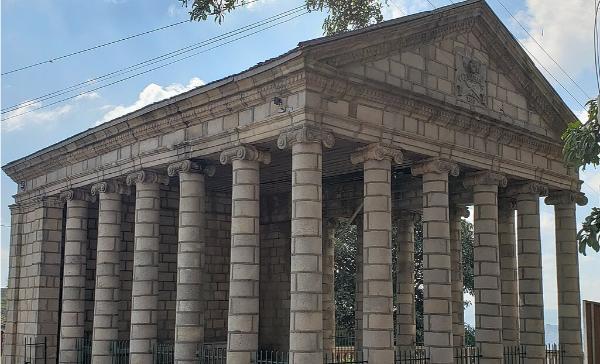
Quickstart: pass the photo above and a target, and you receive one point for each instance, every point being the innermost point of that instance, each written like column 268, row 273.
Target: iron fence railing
column 345, row 338
column 344, row 357
column 212, row 353
column 514, row 354
column 418, row 355
column 555, row 354
column 36, row 349
column 467, row 355
column 270, row 357
column 119, row 351
column 83, row 345
column 163, row 353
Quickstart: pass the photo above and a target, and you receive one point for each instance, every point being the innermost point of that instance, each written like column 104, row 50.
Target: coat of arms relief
column 471, row 78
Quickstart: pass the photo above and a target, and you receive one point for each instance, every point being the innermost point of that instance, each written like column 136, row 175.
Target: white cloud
column 399, row 8
column 28, row 114
column 88, row 96
column 564, row 29
column 150, row 94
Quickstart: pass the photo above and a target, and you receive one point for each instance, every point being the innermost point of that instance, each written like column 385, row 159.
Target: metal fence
column 83, row 345
column 212, row 353
column 36, row 349
column 467, row 355
column 418, row 355
column 163, row 353
column 270, row 357
column 344, row 357
column 514, row 354
column 555, row 354
column 119, row 351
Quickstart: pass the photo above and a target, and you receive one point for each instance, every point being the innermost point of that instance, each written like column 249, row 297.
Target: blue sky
column 32, row 32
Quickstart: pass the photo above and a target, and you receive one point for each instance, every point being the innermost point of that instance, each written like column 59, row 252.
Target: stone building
column 203, row 218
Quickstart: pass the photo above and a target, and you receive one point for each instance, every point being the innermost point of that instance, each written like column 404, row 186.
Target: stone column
column 108, row 246
column 145, row 286
column 406, row 329
column 358, row 295
column 306, row 278
column 567, row 272
column 189, row 306
column 531, row 293
column 329, row 286
column 508, row 272
column 437, row 280
column 486, row 257
column 244, row 272
column 74, row 273
column 378, row 316
column 458, row 310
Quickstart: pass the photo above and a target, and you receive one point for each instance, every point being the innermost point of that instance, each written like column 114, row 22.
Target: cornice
column 305, row 134
column 245, row 152
column 377, row 151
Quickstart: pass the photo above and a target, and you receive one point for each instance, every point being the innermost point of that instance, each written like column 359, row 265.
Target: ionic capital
column 189, row 166
column 484, row 178
column 435, row 165
column 77, row 194
column 146, row 177
column 245, row 152
column 305, row 134
column 114, row 186
column 377, row 151
column 566, row 197
column 535, row 188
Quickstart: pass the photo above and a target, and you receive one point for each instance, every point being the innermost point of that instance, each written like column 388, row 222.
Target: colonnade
column 508, row 296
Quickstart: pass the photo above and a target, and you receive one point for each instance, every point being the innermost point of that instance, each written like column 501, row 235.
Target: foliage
column 582, row 148
column 469, row 335
column 345, row 271
column 343, row 15
column 588, row 235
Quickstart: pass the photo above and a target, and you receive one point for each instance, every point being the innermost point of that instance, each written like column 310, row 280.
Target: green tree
column 582, row 148
column 342, row 15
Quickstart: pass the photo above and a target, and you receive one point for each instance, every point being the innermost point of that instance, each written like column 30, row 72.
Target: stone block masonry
column 508, row 271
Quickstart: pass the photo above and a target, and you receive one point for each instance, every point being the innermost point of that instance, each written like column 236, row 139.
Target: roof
column 268, row 64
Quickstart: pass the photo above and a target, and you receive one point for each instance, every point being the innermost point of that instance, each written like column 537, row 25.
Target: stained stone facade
column 207, row 217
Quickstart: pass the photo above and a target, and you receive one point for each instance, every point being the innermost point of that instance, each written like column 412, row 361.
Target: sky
column 45, row 29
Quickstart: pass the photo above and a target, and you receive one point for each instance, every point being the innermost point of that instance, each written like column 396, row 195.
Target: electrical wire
column 151, row 61
column 85, row 50
column 155, row 68
column 543, row 49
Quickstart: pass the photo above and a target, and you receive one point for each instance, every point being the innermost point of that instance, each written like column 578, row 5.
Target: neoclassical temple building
column 204, row 218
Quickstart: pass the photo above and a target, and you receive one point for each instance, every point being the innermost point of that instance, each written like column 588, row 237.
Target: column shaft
column 243, row 316
column 358, row 304
column 406, row 329
column 437, row 280
column 189, row 308
column 567, row 273
column 488, row 301
column 531, row 294
column 329, row 287
column 306, row 308
column 458, row 311
column 74, row 275
column 145, row 285
column 508, row 274
column 106, row 294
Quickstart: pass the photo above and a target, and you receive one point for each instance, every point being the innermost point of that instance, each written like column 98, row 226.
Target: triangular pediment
column 461, row 55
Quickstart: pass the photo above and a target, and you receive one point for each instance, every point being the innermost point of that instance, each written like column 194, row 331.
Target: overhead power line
column 52, row 60
column 544, row 50
column 151, row 61
column 158, row 67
